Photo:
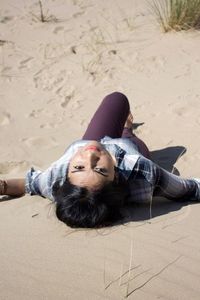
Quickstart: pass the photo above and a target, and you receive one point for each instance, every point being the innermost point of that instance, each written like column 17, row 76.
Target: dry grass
column 176, row 14
column 44, row 16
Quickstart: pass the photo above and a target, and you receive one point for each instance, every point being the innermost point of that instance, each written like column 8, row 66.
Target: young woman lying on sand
column 98, row 174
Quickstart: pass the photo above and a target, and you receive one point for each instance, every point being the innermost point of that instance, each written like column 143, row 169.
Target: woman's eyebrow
column 75, row 171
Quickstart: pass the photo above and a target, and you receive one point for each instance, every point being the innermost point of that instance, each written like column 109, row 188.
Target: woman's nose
column 93, row 157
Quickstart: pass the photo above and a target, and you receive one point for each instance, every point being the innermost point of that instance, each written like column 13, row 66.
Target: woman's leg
column 109, row 118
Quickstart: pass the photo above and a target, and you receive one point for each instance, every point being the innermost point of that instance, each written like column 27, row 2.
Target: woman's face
column 92, row 166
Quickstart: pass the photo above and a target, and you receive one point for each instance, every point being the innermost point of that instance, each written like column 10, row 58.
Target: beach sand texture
column 53, row 75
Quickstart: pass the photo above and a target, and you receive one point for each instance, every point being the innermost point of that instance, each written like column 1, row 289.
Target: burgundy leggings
column 109, row 119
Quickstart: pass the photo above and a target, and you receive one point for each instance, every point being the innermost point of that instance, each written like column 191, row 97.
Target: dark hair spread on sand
column 78, row 207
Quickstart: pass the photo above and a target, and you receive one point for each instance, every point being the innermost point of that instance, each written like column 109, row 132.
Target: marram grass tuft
column 176, row 14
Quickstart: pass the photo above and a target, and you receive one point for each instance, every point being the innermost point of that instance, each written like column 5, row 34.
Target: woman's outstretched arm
column 162, row 183
column 12, row 187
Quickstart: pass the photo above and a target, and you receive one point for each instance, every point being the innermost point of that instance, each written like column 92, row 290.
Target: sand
column 53, row 75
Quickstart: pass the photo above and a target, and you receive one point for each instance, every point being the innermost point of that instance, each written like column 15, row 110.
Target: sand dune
column 53, row 76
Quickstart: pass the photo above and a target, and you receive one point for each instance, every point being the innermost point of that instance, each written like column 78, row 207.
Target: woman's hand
column 3, row 187
column 12, row 187
column 129, row 121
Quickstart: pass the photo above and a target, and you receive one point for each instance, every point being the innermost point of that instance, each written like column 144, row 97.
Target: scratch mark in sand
column 119, row 278
column 179, row 239
column 145, row 271
column 155, row 275
column 130, row 266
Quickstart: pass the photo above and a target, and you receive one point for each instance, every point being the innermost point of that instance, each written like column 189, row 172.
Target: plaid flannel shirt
column 143, row 177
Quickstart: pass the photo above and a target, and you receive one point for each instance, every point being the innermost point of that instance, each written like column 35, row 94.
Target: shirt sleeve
column 40, row 183
column 141, row 181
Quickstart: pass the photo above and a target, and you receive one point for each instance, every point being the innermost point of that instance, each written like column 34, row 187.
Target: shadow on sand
column 167, row 157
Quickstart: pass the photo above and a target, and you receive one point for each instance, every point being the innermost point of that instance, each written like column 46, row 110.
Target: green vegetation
column 177, row 14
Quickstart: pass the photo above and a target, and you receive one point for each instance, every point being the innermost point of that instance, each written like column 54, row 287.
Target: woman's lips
column 92, row 148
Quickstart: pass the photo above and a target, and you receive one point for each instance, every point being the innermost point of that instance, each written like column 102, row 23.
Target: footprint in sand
column 75, row 105
column 54, row 51
column 83, row 122
column 73, row 49
column 25, row 63
column 4, row 118
column 6, row 71
column 178, row 108
column 40, row 142
column 67, row 94
column 58, row 29
column 9, row 167
column 48, row 125
column 50, row 80
column 6, row 19
column 66, row 100
column 78, row 14
column 181, row 111
column 34, row 113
